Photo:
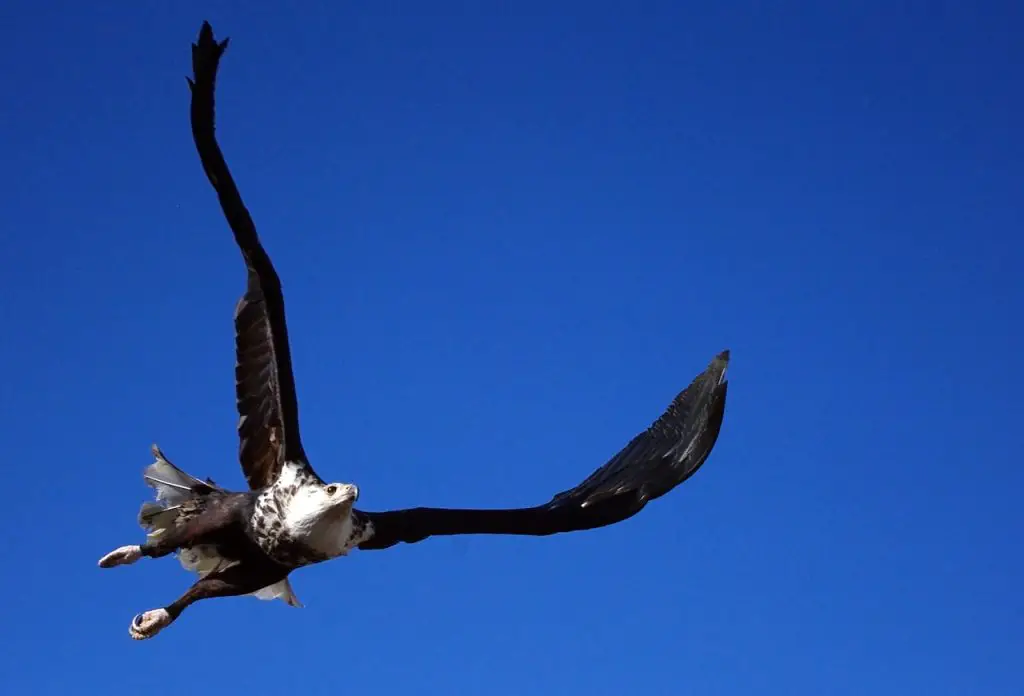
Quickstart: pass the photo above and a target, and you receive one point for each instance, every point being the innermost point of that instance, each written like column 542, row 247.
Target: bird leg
column 237, row 580
column 201, row 529
column 169, row 542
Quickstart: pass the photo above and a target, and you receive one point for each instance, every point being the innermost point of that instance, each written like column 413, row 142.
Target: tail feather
column 172, row 485
column 156, row 518
column 173, row 489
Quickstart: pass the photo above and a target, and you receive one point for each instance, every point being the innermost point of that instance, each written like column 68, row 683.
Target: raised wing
column 656, row 461
column 268, row 425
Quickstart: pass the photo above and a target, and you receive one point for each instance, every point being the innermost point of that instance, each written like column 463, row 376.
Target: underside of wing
column 268, row 425
column 652, row 464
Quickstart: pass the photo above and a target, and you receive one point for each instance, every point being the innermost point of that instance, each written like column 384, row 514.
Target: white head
column 330, row 502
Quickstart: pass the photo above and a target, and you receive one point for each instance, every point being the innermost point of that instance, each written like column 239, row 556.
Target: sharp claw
column 149, row 623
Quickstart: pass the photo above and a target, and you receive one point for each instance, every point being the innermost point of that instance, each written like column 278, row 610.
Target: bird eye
column 332, row 489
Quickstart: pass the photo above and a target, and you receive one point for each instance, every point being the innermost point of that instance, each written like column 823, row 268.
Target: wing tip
column 206, row 37
column 719, row 367
column 721, row 360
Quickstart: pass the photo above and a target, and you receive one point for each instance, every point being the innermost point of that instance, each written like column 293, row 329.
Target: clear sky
column 509, row 233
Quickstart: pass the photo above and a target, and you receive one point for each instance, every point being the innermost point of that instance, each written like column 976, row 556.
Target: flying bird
column 248, row 543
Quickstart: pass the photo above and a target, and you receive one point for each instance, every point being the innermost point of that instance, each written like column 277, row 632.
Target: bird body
column 294, row 522
column 249, row 542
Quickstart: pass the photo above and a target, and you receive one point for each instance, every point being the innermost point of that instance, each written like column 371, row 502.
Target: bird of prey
column 248, row 543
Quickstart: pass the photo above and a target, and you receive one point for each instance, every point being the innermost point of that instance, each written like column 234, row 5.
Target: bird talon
column 149, row 623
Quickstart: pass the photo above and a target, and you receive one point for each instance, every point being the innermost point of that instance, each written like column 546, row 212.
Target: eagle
column 248, row 543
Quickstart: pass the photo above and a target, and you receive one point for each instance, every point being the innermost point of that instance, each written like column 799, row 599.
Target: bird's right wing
column 653, row 463
column 268, row 425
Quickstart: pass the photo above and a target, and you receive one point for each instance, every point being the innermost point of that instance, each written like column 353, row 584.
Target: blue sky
column 509, row 233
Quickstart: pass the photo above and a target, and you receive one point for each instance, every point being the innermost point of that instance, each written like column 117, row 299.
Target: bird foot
column 148, row 624
column 124, row 555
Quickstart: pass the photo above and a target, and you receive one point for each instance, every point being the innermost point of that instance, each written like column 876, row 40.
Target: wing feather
column 268, row 424
column 649, row 466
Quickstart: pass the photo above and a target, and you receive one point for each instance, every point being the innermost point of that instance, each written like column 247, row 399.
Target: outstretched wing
column 655, row 462
column 268, row 425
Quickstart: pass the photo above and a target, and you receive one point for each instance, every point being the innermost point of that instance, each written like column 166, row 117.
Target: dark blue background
column 509, row 233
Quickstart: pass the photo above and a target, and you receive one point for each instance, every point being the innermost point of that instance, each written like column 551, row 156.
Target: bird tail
column 178, row 499
column 173, row 488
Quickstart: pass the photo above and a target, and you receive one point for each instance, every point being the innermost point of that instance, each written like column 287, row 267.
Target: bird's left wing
column 653, row 463
column 268, row 425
